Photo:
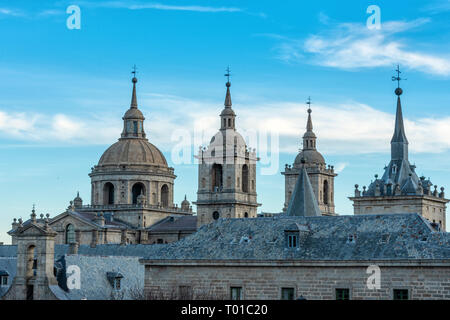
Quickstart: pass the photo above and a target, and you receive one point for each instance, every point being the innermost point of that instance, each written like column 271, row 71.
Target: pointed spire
column 133, row 96
column 227, row 115
column 309, row 138
column 399, row 142
column 303, row 201
column 228, row 96
column 399, row 131
column 309, row 126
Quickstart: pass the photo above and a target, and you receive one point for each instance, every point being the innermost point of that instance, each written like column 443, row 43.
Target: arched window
column 31, row 261
column 203, row 182
column 244, row 178
column 216, row 176
column 137, row 189
column 108, row 193
column 246, row 215
column 325, row 192
column 70, row 234
column 165, row 195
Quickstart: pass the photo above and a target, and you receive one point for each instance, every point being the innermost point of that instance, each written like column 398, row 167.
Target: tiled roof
column 184, row 223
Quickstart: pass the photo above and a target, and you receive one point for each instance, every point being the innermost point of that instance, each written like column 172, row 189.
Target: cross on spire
column 228, row 74
column 397, row 78
column 308, row 102
column 134, row 71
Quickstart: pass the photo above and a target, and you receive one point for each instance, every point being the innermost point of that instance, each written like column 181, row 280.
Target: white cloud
column 352, row 45
column 131, row 5
column 345, row 128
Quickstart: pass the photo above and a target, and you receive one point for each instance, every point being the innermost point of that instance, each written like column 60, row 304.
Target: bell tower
column 226, row 172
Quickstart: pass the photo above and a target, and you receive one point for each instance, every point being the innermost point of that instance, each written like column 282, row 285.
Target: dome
column 133, row 113
column 311, row 157
column 133, row 151
column 231, row 137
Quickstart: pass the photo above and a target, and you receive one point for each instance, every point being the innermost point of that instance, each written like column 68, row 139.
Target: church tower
column 400, row 190
column 226, row 173
column 320, row 176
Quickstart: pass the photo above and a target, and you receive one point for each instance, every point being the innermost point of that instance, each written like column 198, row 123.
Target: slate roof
column 303, row 201
column 376, row 237
column 184, row 223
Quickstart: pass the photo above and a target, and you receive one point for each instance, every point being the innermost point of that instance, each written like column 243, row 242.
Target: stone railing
column 114, row 207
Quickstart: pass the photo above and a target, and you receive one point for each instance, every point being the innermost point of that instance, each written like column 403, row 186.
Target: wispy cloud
column 132, row 5
column 11, row 12
column 352, row 46
column 337, row 126
column 438, row 7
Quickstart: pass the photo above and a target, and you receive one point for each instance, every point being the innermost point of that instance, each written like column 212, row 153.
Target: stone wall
column 318, row 281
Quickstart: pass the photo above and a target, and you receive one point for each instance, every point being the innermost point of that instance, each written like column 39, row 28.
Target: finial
column 397, row 78
column 134, row 80
column 308, row 102
column 228, row 74
column 78, row 194
column 185, row 198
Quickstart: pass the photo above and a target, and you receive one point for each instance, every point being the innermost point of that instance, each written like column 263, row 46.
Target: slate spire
column 399, row 142
column 303, row 201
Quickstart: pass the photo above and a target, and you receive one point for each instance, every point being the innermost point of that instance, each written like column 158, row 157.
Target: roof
column 303, row 201
column 184, row 223
column 409, row 236
column 392, row 237
column 133, row 151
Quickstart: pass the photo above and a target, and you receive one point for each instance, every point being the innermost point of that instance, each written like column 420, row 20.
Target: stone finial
column 442, row 194
column 33, row 214
column 397, row 190
column 435, row 192
column 419, row 189
column 357, row 192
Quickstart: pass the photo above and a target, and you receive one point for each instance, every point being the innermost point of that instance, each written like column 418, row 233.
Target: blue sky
column 63, row 92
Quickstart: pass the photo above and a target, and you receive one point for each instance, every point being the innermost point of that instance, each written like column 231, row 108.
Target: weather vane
column 308, row 102
column 134, row 71
column 397, row 78
column 228, row 74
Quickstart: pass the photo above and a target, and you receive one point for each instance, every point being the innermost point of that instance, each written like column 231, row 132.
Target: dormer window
column 351, row 238
column 292, row 239
column 115, row 279
column 3, row 278
column 394, row 169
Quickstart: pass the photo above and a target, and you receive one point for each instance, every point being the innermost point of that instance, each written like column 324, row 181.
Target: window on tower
column 216, row 177
column 244, row 178
column 325, row 192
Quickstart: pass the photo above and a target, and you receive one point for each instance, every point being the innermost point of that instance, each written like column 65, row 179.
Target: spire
column 227, row 117
column 303, row 201
column 399, row 142
column 309, row 126
column 228, row 96
column 309, row 138
column 133, row 119
column 228, row 84
column 133, row 96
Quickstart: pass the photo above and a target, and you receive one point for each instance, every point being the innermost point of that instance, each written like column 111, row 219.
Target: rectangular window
column 236, row 293
column 292, row 241
column 3, row 280
column 401, row 294
column 287, row 293
column 342, row 294
column 135, row 127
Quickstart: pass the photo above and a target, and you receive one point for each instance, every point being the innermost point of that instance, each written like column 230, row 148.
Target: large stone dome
column 133, row 151
column 311, row 156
